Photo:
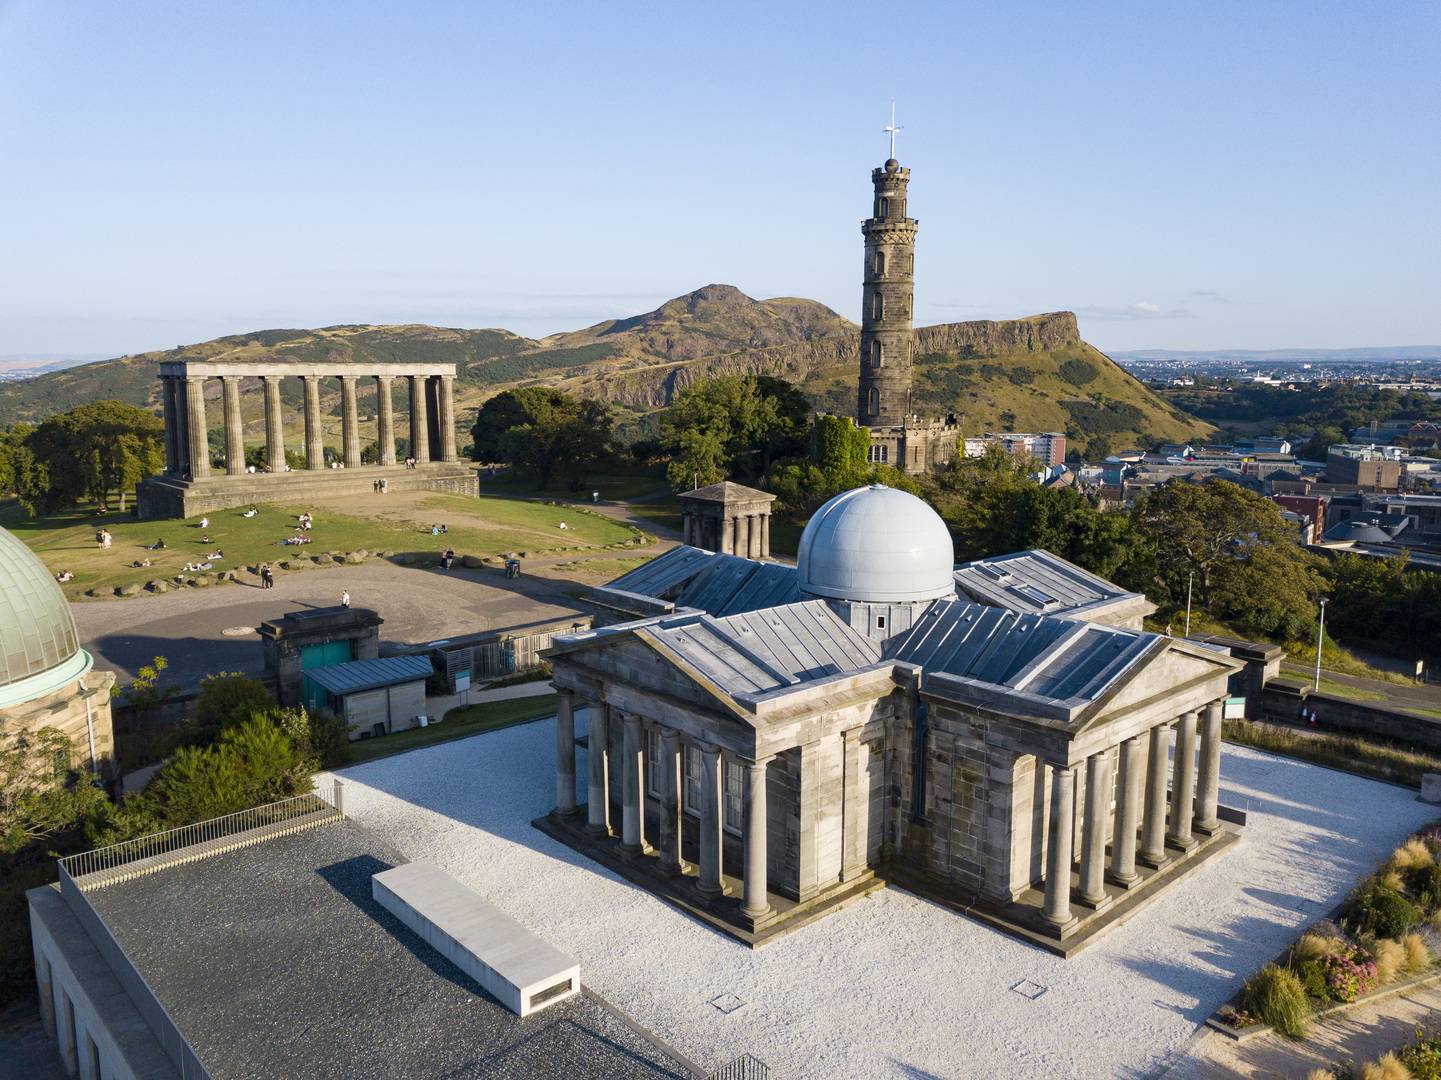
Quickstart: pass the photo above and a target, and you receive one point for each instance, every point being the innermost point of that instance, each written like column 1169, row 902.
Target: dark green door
column 318, row 656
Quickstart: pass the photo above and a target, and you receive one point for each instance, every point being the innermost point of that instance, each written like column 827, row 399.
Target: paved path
column 186, row 627
column 1425, row 695
column 1362, row 1035
column 26, row 1052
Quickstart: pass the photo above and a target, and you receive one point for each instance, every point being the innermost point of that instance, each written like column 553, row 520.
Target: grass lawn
column 618, row 487
column 490, row 526
column 664, row 512
column 1348, row 753
column 458, row 723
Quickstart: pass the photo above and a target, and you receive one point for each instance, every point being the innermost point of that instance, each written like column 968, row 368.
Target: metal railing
column 745, row 1067
column 261, row 821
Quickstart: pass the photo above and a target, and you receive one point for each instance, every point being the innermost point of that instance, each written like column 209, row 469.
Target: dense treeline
column 1341, row 406
column 90, row 454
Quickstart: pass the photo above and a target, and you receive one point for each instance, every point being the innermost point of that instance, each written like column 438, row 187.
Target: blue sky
column 1181, row 175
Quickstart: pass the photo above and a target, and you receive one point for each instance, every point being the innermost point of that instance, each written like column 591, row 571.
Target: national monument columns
column 189, row 486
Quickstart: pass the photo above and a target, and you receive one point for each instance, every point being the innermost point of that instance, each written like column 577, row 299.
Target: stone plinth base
column 172, row 497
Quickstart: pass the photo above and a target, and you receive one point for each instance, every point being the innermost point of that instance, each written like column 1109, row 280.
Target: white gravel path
column 895, row 986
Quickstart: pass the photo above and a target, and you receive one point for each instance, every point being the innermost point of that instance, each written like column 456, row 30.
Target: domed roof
column 37, row 631
column 878, row 545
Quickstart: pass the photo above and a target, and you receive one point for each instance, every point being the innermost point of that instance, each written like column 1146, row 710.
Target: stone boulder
column 133, row 589
column 471, row 562
column 324, row 559
column 158, row 586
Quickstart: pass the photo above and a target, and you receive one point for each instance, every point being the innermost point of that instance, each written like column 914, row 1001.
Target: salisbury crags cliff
column 1023, row 374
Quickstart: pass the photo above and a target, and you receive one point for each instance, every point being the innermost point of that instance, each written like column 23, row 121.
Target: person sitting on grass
column 204, row 523
column 250, row 513
column 206, row 539
column 159, row 545
column 140, row 563
column 64, row 576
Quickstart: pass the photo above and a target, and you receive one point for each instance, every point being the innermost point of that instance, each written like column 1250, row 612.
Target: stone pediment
column 1182, row 675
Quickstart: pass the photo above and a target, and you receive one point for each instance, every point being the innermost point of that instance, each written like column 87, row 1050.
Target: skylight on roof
column 1035, row 595
column 995, row 573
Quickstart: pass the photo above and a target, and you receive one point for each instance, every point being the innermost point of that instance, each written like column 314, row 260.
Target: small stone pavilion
column 766, row 743
column 728, row 517
column 189, row 486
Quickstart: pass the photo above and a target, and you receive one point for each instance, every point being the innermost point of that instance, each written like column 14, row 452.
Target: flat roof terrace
column 274, row 960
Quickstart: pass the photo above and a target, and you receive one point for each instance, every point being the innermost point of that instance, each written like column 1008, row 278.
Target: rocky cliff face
column 1054, row 330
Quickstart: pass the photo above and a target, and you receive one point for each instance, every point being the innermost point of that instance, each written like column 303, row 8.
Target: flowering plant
column 1350, row 974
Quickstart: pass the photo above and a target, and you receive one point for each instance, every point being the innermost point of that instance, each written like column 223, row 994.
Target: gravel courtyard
column 894, row 986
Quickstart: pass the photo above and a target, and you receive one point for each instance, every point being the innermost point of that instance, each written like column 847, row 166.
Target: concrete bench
column 514, row 966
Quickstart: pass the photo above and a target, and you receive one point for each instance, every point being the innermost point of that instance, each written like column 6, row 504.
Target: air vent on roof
column 1036, row 596
column 995, row 573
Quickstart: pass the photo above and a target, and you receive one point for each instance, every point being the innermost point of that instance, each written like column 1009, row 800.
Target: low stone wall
column 1282, row 700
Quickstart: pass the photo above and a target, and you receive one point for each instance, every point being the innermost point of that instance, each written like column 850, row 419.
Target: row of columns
column 746, row 535
column 187, row 447
column 1192, row 808
column 710, row 879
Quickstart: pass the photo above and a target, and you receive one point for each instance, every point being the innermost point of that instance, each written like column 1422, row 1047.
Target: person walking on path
column 267, row 576
column 345, row 599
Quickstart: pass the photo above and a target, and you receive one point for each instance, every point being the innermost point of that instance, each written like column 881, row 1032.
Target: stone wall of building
column 81, row 712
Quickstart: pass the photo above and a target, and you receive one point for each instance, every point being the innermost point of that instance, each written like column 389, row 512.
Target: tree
column 1249, row 569
column 539, row 431
column 841, row 446
column 732, row 425
column 40, row 794
column 228, row 698
column 90, row 452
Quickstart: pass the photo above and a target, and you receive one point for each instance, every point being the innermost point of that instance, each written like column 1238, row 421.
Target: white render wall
column 893, row 986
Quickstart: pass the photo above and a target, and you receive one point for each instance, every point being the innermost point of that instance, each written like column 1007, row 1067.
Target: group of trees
column 542, row 433
column 90, row 454
column 732, row 426
column 240, row 750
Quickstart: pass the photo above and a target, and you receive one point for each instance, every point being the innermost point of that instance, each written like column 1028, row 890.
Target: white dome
column 878, row 545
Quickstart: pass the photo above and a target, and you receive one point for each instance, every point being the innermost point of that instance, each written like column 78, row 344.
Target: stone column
column 728, row 536
column 446, row 420
column 314, row 435
column 853, row 836
column 765, row 536
column 631, row 821
column 172, row 425
column 1208, row 787
column 234, row 427
column 743, row 535
column 1153, row 825
column 349, row 423
column 385, row 420
column 274, row 425
column 1183, row 784
column 419, row 421
column 712, row 823
column 672, row 861
column 1128, row 804
column 757, row 903
column 1057, row 909
column 597, row 753
column 199, row 444
column 565, row 752
column 1093, row 834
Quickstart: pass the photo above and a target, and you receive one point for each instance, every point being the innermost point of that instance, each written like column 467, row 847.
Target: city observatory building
column 759, row 743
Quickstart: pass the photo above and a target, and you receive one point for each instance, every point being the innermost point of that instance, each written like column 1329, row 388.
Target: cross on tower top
column 891, row 129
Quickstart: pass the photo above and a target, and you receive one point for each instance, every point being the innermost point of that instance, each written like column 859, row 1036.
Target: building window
column 883, row 208
column 653, row 762
column 880, row 263
column 878, row 354
column 692, row 780
column 878, row 306
column 873, row 401
column 732, row 790
column 880, row 622
column 885, row 453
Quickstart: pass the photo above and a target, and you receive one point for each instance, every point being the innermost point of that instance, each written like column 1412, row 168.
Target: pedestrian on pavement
column 267, row 576
column 344, row 599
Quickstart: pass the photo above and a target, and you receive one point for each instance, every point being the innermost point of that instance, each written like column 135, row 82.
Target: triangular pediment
column 1167, row 673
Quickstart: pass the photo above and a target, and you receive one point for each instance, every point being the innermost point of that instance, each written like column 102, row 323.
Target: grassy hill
column 1024, row 374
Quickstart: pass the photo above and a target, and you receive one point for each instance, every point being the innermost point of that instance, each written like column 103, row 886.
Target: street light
column 1189, row 580
column 1320, row 635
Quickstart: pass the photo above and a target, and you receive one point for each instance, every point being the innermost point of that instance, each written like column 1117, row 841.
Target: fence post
column 339, row 798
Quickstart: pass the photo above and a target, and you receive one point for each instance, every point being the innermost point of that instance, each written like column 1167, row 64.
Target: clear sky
column 1181, row 175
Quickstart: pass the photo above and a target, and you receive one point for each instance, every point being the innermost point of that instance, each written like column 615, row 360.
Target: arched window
column 880, row 263
column 873, row 401
column 878, row 306
column 878, row 354
column 883, row 208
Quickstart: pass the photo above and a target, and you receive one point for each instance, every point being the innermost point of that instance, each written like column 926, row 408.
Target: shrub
column 1312, row 974
column 1393, row 880
column 1412, row 855
column 329, row 739
column 1426, row 881
column 1390, row 960
column 1317, row 946
column 1321, row 1074
column 1422, row 1056
column 1381, row 911
column 229, row 698
column 1387, row 1067
column 1418, row 956
column 1276, row 996
column 1350, row 975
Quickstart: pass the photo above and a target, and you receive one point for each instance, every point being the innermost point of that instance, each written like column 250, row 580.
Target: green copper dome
column 37, row 631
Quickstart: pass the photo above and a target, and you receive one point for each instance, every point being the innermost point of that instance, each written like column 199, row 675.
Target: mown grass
column 1348, row 753
column 490, row 526
column 459, row 723
column 616, row 487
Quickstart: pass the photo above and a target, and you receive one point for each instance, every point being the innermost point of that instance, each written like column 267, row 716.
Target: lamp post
column 1320, row 635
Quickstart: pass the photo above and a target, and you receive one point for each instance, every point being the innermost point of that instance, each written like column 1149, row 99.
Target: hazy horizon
column 1228, row 177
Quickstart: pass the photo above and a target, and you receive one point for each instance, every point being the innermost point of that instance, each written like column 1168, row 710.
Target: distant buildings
column 1046, row 448
column 1374, row 468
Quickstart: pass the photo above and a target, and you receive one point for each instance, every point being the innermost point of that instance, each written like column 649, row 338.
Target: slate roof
column 1061, row 659
column 757, row 651
column 1036, row 582
column 665, row 573
column 727, row 491
column 711, row 582
column 359, row 675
